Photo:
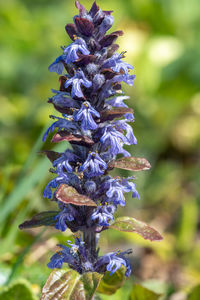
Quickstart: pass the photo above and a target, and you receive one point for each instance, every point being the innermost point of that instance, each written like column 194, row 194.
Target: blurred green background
column 162, row 42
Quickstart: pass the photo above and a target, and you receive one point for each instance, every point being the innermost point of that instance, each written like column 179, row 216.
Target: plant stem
column 90, row 243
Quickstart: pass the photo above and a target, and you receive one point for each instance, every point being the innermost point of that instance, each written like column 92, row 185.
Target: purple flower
column 56, row 261
column 130, row 187
column 62, row 123
column 118, row 101
column 113, row 261
column 113, row 139
column 76, row 81
column 94, row 73
column 103, row 214
column 94, row 165
column 63, row 100
column 57, row 65
column 128, row 79
column 122, row 125
column 63, row 256
column 117, row 65
column 90, row 187
column 63, row 161
column 115, row 192
column 51, row 185
column 105, row 25
column 61, row 178
column 62, row 217
column 85, row 114
column 70, row 52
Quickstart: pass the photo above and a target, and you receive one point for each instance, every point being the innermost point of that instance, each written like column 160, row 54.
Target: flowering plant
column 96, row 122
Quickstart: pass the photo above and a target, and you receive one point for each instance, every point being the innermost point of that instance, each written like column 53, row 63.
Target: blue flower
column 113, row 262
column 116, row 64
column 85, row 114
column 94, row 165
column 63, row 100
column 76, row 81
column 61, row 178
column 113, row 139
column 57, row 65
column 115, row 192
column 62, row 217
column 130, row 187
column 90, row 187
column 118, row 101
column 56, row 261
column 51, row 185
column 70, row 52
column 63, row 256
column 128, row 79
column 63, row 161
column 105, row 25
column 122, row 125
column 103, row 214
column 62, row 123
column 75, row 255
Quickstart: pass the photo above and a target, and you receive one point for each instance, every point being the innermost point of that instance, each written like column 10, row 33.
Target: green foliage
column 69, row 285
column 111, row 283
column 141, row 293
column 195, row 293
column 18, row 290
column 45, row 218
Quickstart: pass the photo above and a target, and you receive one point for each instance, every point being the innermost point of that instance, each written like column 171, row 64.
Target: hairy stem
column 90, row 243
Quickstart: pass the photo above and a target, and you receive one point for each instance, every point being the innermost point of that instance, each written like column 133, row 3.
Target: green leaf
column 195, row 293
column 51, row 155
column 70, row 285
column 111, row 283
column 131, row 164
column 129, row 224
column 45, row 218
column 141, row 293
column 20, row 289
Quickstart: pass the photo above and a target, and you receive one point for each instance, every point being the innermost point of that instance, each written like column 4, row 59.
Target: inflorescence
column 96, row 122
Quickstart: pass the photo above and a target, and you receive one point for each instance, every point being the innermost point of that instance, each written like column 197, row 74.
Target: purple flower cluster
column 89, row 95
column 77, row 258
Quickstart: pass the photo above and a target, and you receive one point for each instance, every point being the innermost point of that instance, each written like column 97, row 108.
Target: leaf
column 110, row 284
column 70, row 285
column 20, row 289
column 51, row 155
column 109, row 73
column 107, row 40
column 45, row 218
column 112, row 49
column 72, row 138
column 115, row 113
column 94, row 9
column 84, row 60
column 131, row 163
column 71, row 30
column 80, row 7
column 141, row 293
column 67, row 194
column 84, row 26
column 129, row 224
column 195, row 293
